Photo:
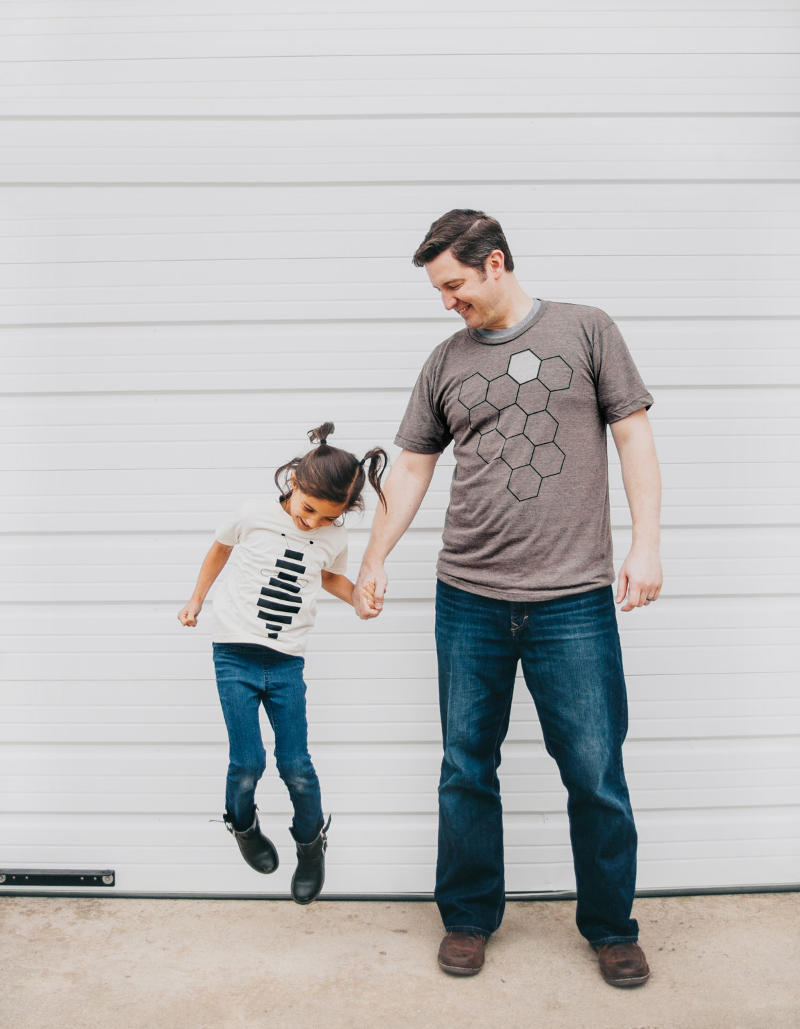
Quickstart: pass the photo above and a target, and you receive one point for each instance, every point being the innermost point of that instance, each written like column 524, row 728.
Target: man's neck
column 513, row 311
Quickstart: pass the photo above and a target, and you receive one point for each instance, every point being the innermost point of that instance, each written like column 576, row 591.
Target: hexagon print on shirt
column 510, row 414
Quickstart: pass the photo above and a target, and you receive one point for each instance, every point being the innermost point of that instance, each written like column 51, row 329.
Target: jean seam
column 502, row 902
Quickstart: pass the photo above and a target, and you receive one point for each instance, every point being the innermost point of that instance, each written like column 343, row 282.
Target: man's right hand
column 369, row 592
column 406, row 486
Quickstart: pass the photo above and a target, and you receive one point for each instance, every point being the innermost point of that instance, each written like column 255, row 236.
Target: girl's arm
column 212, row 565
column 339, row 585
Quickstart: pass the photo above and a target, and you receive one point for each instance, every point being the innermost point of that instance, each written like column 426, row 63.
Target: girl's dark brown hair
column 329, row 473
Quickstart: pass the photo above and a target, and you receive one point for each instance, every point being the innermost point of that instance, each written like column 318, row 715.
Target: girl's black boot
column 256, row 849
column 309, row 875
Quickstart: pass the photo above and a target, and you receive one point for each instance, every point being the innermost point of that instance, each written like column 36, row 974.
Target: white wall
column 206, row 221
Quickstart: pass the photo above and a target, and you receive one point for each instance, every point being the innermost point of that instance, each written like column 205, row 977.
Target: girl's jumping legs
column 248, row 676
column 285, row 704
column 240, row 697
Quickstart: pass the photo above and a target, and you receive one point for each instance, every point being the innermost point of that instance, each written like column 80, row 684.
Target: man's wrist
column 649, row 539
column 370, row 565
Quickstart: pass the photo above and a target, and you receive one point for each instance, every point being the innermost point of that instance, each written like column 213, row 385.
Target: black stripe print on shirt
column 280, row 599
column 290, row 567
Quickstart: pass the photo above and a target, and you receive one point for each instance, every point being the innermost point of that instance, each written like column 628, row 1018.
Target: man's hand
column 640, row 578
column 406, row 486
column 369, row 592
column 188, row 615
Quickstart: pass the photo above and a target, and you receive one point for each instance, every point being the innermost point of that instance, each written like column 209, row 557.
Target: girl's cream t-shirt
column 268, row 593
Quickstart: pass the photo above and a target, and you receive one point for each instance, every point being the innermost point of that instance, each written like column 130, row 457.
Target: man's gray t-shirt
column 527, row 408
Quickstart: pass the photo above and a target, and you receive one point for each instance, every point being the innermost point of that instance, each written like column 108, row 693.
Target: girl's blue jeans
column 249, row 675
column 572, row 664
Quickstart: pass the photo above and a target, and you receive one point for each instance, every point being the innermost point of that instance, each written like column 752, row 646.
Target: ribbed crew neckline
column 494, row 336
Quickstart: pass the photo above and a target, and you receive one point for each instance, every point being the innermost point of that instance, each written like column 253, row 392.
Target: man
column 526, row 390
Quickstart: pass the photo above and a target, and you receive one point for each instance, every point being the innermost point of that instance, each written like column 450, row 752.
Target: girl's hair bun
column 321, row 433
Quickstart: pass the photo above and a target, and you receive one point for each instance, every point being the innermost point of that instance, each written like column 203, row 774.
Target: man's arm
column 405, row 487
column 640, row 576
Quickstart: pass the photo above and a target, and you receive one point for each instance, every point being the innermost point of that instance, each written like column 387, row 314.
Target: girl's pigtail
column 283, row 478
column 378, row 462
column 301, row 465
column 321, row 433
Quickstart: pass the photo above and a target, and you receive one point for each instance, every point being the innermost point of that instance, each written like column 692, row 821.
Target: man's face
column 473, row 293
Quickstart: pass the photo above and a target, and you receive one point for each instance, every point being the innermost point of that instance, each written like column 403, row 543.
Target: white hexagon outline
column 526, row 364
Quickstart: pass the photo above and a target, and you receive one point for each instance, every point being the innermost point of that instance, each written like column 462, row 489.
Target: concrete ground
column 719, row 962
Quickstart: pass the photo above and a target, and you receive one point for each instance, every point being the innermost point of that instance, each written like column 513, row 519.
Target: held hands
column 188, row 615
column 640, row 578
column 369, row 593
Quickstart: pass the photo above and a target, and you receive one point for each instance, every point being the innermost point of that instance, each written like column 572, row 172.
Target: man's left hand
column 640, row 578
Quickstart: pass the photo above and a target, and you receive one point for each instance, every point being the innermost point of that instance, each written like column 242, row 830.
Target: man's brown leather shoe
column 462, row 953
column 623, row 964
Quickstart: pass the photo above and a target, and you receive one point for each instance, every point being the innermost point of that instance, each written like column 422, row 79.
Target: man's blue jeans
column 572, row 664
column 247, row 676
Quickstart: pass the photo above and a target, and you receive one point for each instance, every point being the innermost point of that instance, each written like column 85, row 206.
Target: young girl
column 288, row 548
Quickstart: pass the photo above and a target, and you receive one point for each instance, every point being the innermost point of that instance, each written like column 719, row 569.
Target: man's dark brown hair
column 471, row 235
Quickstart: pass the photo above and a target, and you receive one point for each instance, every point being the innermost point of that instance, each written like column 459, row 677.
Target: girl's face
column 309, row 512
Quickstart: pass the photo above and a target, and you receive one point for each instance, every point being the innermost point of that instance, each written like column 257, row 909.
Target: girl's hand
column 366, row 599
column 188, row 615
column 368, row 592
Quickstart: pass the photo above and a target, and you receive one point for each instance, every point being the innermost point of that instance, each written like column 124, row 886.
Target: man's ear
column 495, row 264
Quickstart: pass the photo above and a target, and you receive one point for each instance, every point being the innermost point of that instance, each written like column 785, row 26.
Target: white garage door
column 206, row 227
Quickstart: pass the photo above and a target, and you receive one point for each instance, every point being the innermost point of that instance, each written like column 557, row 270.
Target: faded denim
column 248, row 676
column 572, row 664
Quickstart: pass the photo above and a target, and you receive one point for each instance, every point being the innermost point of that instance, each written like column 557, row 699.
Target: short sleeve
column 229, row 532
column 423, row 429
column 620, row 389
column 338, row 565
